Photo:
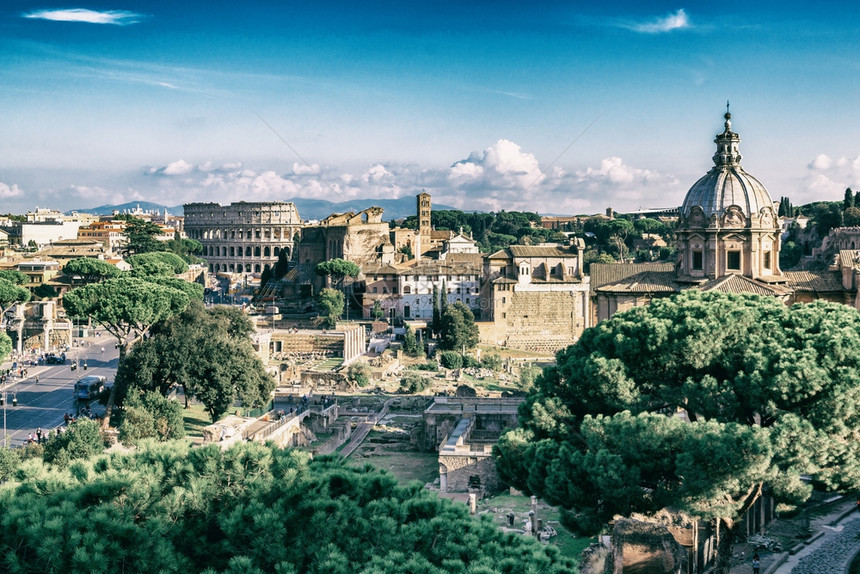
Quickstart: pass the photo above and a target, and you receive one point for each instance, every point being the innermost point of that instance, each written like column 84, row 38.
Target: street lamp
column 3, row 402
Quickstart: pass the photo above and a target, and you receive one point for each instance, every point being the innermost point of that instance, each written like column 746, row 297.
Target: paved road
column 43, row 404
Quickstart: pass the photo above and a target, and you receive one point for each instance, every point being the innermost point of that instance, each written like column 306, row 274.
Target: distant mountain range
column 308, row 208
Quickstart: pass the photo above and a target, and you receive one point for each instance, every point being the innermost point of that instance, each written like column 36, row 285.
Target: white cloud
column 7, row 191
column 179, row 167
column 377, row 174
column 305, row 169
column 822, row 162
column 95, row 195
column 829, row 178
column 676, row 21
column 505, row 177
column 501, row 177
column 116, row 17
column 502, row 165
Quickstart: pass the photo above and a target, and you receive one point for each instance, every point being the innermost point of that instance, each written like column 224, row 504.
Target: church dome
column 726, row 186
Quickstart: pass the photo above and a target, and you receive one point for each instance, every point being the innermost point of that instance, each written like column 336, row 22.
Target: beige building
column 358, row 237
column 728, row 239
column 535, row 297
column 108, row 233
column 242, row 237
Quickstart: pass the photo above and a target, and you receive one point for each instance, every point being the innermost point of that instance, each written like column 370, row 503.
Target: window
column 375, row 289
column 767, row 260
column 697, row 261
column 733, row 260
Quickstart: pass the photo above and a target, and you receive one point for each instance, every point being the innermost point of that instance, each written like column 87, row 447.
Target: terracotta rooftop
column 541, row 251
column 644, row 282
column 735, row 283
column 607, row 273
column 475, row 258
column 849, row 258
column 815, row 281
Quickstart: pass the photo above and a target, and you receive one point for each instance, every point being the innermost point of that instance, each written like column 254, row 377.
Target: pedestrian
column 39, row 435
column 37, row 379
column 756, row 563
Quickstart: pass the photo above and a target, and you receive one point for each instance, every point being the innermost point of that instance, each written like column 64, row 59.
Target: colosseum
column 243, row 237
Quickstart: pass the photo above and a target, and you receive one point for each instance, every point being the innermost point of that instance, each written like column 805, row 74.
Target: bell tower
column 423, row 214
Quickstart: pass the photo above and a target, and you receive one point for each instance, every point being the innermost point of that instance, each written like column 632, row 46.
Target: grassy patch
column 501, row 505
column 329, row 364
column 195, row 418
column 406, row 466
column 489, row 384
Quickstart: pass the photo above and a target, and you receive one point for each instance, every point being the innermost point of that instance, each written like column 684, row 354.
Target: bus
column 88, row 388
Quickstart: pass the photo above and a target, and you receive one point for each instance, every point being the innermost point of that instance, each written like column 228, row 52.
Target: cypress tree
column 437, row 313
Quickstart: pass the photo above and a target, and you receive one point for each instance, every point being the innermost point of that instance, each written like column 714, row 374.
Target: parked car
column 55, row 359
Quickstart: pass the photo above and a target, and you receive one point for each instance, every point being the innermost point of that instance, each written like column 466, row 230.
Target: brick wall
column 543, row 321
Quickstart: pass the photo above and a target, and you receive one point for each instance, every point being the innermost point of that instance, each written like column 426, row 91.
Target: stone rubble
column 833, row 555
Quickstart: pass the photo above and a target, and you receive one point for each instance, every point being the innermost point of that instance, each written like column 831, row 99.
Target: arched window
column 248, row 253
column 267, row 252
column 257, row 268
column 407, row 290
column 247, row 268
column 276, row 251
column 232, row 251
column 257, row 251
column 232, row 267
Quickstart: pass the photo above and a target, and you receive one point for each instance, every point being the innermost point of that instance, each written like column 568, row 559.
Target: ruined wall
column 469, row 472
column 436, row 427
column 543, row 321
column 330, row 344
column 325, row 381
column 645, row 548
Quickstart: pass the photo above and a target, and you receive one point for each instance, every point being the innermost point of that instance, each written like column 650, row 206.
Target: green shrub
column 412, row 382
column 492, row 361
column 451, row 359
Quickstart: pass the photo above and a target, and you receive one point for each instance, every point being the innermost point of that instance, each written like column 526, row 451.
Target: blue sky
column 556, row 107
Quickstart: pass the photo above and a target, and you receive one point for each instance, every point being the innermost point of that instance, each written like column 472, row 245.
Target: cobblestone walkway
column 834, row 554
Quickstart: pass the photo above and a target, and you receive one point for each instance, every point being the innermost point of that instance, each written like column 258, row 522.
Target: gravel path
column 834, row 555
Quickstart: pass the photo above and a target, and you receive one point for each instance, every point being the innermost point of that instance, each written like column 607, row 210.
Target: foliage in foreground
column 251, row 509
column 769, row 394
